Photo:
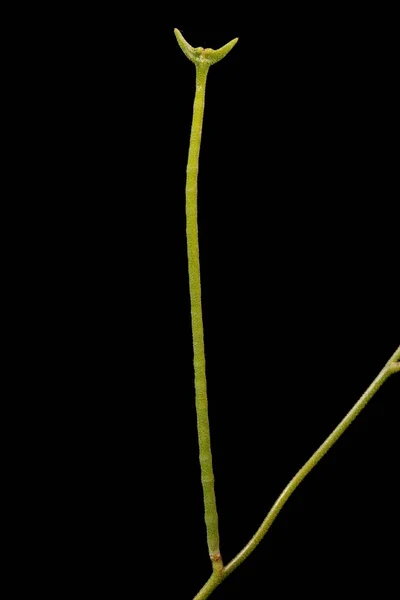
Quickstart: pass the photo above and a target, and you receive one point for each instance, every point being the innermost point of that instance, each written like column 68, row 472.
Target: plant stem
column 389, row 369
column 208, row 587
column 392, row 366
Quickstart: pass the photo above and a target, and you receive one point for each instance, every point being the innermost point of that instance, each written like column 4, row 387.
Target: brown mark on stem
column 217, row 564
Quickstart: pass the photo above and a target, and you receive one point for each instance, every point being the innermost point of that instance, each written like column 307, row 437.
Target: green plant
column 203, row 59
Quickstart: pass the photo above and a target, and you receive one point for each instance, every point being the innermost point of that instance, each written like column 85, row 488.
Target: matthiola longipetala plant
column 203, row 59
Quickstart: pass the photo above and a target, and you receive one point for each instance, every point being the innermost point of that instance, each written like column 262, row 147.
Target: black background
column 299, row 254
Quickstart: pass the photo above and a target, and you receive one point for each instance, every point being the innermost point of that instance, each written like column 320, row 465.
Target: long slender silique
column 203, row 59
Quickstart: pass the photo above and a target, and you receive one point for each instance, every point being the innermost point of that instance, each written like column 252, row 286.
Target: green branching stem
column 203, row 59
column 392, row 366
